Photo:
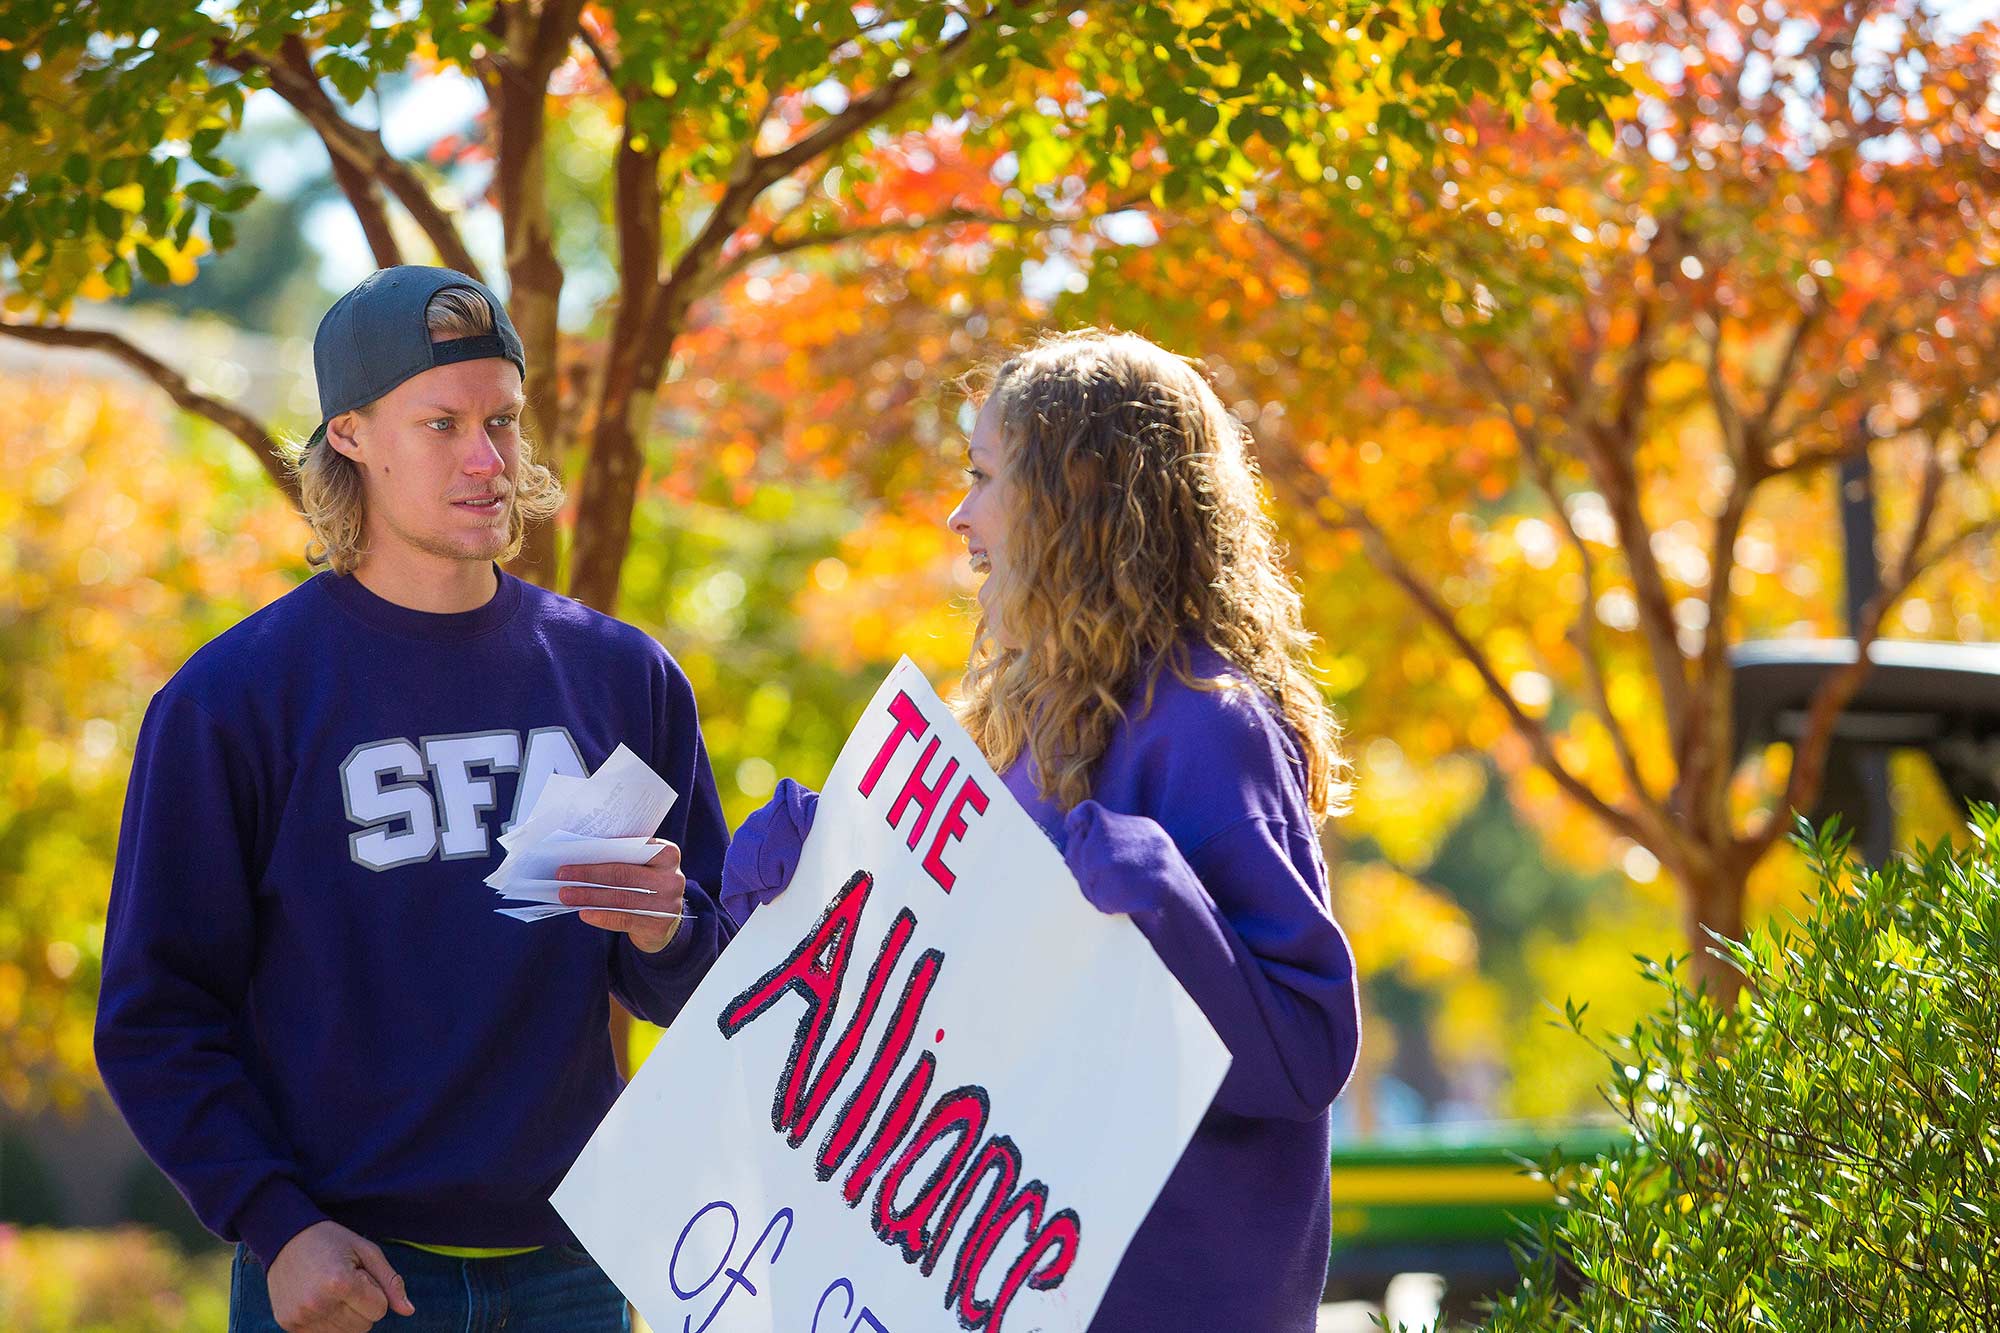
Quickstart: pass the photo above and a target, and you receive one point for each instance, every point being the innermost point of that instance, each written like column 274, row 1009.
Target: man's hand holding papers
column 605, row 894
column 586, row 847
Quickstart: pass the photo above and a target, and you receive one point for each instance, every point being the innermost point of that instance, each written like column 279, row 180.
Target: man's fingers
column 647, row 888
column 363, row 1296
column 385, row 1284
column 667, row 858
column 582, row 895
column 648, row 933
column 340, row 1318
column 627, row 921
column 655, row 876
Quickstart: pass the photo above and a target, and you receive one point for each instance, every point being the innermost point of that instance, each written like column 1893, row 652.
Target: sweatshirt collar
column 431, row 626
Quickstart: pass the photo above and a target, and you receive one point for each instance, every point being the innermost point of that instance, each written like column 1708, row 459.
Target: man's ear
column 340, row 434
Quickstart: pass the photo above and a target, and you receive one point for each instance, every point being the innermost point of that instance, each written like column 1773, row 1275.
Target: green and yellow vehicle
column 1444, row 1199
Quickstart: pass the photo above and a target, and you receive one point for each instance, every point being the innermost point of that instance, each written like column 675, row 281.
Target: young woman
column 1140, row 680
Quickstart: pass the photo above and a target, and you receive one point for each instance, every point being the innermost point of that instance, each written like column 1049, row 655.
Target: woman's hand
column 764, row 853
column 1116, row 858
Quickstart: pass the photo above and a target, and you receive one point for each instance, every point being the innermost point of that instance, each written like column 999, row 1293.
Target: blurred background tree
column 121, row 552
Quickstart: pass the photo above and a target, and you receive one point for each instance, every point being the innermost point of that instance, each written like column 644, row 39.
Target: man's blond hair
column 331, row 495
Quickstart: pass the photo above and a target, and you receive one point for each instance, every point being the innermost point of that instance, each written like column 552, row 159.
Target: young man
column 312, row 1015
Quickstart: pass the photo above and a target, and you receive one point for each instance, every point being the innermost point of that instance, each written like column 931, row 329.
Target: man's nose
column 483, row 459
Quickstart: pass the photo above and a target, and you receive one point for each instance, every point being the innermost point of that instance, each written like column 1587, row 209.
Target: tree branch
column 771, row 246
column 1583, row 631
column 757, row 172
column 1882, row 368
column 1530, row 730
column 1809, row 319
column 1735, row 431
column 1709, row 754
column 363, row 193
column 561, row 20
column 226, row 415
column 1708, row 749
column 633, row 372
column 605, row 65
column 1788, row 360
column 865, row 110
column 635, row 183
column 1611, row 449
column 1837, row 690
column 362, row 149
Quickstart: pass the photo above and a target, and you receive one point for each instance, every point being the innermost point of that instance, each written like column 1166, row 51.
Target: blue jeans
column 556, row 1289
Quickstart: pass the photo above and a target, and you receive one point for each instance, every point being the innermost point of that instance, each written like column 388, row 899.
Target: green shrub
column 123, row 1281
column 1825, row 1157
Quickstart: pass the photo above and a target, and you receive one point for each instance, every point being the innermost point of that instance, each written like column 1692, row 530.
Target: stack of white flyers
column 606, row 818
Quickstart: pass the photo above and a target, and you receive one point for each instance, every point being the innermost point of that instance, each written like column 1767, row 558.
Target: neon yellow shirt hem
column 470, row 1251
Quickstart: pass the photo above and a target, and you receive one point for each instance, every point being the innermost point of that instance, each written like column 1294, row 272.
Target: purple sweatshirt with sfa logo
column 1199, row 828
column 310, row 1007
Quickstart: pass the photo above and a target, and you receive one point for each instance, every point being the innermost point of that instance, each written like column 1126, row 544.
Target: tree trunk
column 537, row 561
column 621, row 1040
column 610, row 486
column 1714, row 902
column 534, row 275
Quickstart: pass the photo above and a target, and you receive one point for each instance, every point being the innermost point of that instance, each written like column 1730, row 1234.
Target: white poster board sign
column 929, row 1086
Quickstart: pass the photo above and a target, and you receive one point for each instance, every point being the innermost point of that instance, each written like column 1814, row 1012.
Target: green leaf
column 152, row 267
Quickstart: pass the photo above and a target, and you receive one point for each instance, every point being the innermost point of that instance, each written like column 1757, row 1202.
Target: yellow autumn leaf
column 129, row 198
column 180, row 260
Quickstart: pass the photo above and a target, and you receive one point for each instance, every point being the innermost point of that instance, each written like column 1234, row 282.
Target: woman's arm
column 1240, row 923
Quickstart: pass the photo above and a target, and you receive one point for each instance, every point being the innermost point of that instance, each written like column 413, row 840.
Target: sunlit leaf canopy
column 117, row 116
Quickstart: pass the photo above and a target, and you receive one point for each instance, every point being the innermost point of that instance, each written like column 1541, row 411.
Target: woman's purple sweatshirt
column 1198, row 826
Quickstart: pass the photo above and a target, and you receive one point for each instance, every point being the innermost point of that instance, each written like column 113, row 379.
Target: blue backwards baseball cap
column 375, row 337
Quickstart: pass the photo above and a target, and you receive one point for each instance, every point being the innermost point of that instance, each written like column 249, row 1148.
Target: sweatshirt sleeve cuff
column 278, row 1211
column 700, row 923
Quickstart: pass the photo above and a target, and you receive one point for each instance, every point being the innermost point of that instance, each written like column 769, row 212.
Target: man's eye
column 503, row 420
column 439, row 424
column 974, row 474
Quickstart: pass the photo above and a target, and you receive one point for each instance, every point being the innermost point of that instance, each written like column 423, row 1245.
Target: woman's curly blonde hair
column 1137, row 522
column 331, row 495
